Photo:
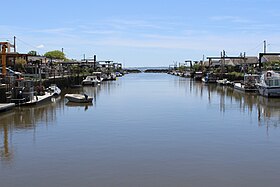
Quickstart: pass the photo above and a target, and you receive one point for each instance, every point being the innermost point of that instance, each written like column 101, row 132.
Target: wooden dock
column 6, row 106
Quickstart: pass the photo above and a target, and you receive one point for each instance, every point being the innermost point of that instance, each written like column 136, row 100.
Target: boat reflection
column 84, row 105
column 267, row 110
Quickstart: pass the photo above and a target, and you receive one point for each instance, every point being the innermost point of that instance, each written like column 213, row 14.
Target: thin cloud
column 234, row 19
column 40, row 46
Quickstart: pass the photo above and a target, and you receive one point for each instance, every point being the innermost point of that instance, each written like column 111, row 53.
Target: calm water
column 151, row 130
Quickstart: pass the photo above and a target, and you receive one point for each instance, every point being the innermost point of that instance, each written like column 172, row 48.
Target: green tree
column 33, row 53
column 19, row 65
column 56, row 54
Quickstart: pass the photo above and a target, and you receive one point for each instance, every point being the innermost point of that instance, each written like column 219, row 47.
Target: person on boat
column 86, row 96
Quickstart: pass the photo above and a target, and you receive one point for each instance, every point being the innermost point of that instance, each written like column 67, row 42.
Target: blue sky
column 142, row 33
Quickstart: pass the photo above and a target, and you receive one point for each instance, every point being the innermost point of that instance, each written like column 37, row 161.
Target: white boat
column 109, row 76
column 269, row 84
column 54, row 89
column 223, row 82
column 91, row 80
column 79, row 98
column 249, row 83
column 26, row 94
column 119, row 74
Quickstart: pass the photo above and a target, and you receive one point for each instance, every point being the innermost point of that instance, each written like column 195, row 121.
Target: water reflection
column 83, row 105
column 28, row 118
column 6, row 151
column 25, row 118
column 143, row 130
column 267, row 109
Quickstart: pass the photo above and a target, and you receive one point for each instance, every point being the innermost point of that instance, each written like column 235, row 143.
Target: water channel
column 152, row 130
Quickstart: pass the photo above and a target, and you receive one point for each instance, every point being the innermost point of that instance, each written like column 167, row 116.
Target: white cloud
column 40, row 46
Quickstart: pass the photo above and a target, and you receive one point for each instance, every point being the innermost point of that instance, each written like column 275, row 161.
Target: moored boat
column 79, row 98
column 249, row 83
column 91, row 80
column 223, row 82
column 198, row 75
column 209, row 78
column 24, row 93
column 269, row 84
column 54, row 89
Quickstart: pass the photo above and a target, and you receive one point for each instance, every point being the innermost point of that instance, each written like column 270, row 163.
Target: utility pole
column 94, row 62
column 15, row 44
column 264, row 46
column 223, row 62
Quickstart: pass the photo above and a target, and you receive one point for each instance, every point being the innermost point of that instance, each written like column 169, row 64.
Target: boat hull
column 78, row 98
column 241, row 87
column 269, row 91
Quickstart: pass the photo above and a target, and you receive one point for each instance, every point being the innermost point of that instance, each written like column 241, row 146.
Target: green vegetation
column 56, row 54
column 198, row 67
column 19, row 65
column 32, row 53
column 272, row 65
column 236, row 74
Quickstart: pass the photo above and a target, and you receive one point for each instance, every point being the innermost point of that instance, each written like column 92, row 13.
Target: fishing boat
column 24, row 93
column 269, row 84
column 79, row 98
column 249, row 83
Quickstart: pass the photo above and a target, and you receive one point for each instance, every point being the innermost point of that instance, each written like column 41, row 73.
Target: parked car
column 10, row 72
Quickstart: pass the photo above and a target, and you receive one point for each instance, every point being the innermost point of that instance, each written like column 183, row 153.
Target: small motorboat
column 79, row 98
column 223, row 82
column 53, row 89
column 91, row 80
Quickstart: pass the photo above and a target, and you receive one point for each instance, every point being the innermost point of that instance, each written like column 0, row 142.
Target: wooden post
column 4, row 59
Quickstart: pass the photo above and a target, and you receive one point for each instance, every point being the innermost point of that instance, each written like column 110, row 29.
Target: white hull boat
column 53, row 89
column 79, row 98
column 269, row 85
column 91, row 81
